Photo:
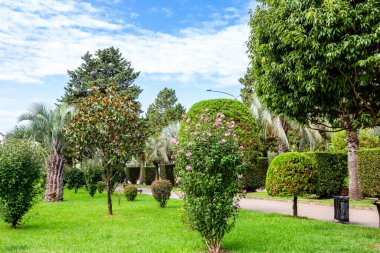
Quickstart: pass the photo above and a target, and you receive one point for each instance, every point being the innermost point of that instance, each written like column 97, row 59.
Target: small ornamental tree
column 109, row 125
column 20, row 169
column 209, row 163
column 291, row 175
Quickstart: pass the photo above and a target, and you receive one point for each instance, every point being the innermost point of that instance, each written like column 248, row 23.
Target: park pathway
column 324, row 212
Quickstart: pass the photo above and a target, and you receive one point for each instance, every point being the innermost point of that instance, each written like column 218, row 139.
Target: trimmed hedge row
column 331, row 170
column 369, row 171
column 132, row 174
column 167, row 172
column 150, row 174
column 255, row 177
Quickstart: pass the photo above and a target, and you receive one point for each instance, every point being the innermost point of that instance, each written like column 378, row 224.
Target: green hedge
column 255, row 177
column 291, row 174
column 150, row 174
column 167, row 172
column 369, row 171
column 132, row 174
column 331, row 170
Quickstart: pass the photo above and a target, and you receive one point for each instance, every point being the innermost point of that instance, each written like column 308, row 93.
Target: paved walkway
column 362, row 217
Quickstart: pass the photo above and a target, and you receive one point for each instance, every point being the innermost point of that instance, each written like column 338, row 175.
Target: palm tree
column 159, row 149
column 46, row 127
column 278, row 127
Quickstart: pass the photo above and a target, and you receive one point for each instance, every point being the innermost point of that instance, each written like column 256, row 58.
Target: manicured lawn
column 80, row 224
column 367, row 202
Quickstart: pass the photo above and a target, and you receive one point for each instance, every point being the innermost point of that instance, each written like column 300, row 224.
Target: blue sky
column 187, row 45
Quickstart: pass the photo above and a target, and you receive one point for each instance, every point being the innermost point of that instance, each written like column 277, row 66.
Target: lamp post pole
column 235, row 97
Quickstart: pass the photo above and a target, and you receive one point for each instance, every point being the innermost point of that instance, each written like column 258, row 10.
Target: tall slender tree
column 318, row 61
column 46, row 126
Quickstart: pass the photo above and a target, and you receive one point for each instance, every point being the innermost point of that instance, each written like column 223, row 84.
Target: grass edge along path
column 363, row 204
column 81, row 224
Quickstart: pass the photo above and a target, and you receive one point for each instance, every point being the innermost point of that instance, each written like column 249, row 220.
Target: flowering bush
column 209, row 164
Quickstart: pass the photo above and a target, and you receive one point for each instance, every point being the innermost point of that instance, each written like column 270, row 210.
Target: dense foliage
column 209, row 162
column 100, row 186
column 331, row 170
column 161, row 190
column 106, row 68
column 150, row 174
column 74, row 178
column 20, row 169
column 93, row 173
column 109, row 125
column 366, row 139
column 291, row 174
column 234, row 111
column 255, row 176
column 130, row 192
column 164, row 110
column 369, row 171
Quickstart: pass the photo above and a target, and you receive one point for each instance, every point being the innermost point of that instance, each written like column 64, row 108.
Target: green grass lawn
column 367, row 202
column 80, row 224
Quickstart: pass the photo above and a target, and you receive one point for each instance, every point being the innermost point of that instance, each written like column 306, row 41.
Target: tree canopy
column 163, row 111
column 107, row 67
column 318, row 60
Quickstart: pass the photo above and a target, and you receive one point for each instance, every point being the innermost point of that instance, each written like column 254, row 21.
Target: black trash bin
column 341, row 209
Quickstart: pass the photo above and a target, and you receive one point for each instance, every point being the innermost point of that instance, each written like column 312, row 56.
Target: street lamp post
column 235, row 97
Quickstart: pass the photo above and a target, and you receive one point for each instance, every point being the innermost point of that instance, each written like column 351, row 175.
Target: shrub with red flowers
column 209, row 162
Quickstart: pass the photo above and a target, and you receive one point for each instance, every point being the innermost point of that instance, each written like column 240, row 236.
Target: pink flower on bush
column 195, row 133
column 202, row 116
column 174, row 141
column 218, row 114
column 188, row 120
column 172, row 157
column 188, row 167
column 244, row 191
column 223, row 141
column 240, row 176
column 241, row 147
column 198, row 125
column 207, row 119
column 188, row 153
column 209, row 134
column 227, row 134
column 183, row 116
column 189, row 144
column 203, row 139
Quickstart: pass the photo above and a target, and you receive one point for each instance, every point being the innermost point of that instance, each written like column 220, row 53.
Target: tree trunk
column 353, row 167
column 108, row 183
column 142, row 170
column 54, row 179
column 157, row 171
column 295, row 208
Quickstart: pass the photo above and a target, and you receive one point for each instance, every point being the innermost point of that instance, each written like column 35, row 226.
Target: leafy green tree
column 318, row 61
column 109, row 125
column 107, row 67
column 163, row 111
column 46, row 126
column 20, row 168
column 367, row 140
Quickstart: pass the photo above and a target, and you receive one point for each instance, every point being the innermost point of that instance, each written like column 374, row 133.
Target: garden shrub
column 167, row 172
column 20, row 170
column 234, row 111
column 369, row 172
column 367, row 140
column 161, row 190
column 150, row 174
column 132, row 174
column 130, row 192
column 101, row 186
column 209, row 163
column 255, row 177
column 74, row 178
column 92, row 174
column 331, row 170
column 291, row 175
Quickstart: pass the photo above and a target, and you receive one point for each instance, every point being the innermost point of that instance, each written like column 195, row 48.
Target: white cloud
column 45, row 38
column 166, row 11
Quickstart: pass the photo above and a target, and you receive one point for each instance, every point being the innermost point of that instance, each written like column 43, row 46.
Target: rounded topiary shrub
column 291, row 175
column 161, row 190
column 130, row 192
column 20, row 170
column 239, row 115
